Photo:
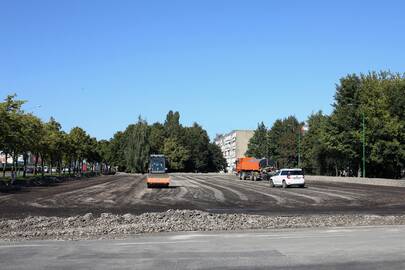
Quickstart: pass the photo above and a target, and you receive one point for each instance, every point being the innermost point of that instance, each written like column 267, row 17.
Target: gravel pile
column 109, row 226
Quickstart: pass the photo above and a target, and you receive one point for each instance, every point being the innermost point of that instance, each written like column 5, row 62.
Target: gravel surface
column 110, row 226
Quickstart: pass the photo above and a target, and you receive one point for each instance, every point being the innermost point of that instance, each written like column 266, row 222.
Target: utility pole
column 364, row 146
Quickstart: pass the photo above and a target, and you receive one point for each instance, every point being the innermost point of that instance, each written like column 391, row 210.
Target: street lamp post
column 299, row 148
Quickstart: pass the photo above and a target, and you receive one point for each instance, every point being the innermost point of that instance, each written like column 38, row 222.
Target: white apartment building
column 233, row 146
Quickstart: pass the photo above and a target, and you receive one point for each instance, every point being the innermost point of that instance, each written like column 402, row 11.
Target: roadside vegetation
column 23, row 134
column 333, row 144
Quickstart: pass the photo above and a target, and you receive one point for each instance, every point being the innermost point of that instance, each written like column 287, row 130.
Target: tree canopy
column 333, row 143
column 187, row 149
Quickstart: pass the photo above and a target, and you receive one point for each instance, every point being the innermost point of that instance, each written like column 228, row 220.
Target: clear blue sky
column 224, row 64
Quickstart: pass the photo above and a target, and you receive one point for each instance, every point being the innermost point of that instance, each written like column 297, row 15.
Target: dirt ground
column 122, row 193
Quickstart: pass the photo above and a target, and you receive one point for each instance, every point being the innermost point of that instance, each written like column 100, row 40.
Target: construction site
column 216, row 193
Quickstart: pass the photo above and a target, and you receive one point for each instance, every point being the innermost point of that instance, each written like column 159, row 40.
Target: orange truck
column 252, row 168
column 157, row 176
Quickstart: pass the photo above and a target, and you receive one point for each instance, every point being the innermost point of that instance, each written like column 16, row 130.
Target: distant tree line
column 23, row 133
column 187, row 149
column 332, row 145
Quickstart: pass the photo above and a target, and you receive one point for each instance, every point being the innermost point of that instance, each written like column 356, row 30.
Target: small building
column 233, row 146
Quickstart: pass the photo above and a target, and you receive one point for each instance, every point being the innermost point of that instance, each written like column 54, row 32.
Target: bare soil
column 121, row 194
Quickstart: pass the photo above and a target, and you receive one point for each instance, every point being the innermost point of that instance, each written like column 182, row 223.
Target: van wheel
column 284, row 184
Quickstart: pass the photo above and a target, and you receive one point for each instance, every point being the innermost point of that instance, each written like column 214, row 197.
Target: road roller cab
column 157, row 176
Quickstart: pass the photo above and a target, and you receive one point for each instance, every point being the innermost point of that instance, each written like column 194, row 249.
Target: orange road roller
column 157, row 176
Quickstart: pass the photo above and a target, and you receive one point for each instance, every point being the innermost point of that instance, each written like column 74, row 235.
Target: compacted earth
column 114, row 206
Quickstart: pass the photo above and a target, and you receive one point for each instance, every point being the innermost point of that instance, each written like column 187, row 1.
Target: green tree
column 137, row 149
column 53, row 143
column 12, row 122
column 79, row 143
column 217, row 162
column 343, row 131
column 258, row 146
column 377, row 98
column 157, row 137
column 172, row 125
column 196, row 141
column 384, row 127
column 117, row 149
column 176, row 154
column 30, row 137
column 105, row 155
column 314, row 150
column 283, row 142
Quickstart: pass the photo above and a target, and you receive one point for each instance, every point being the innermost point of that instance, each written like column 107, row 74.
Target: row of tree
column 333, row 144
column 24, row 134
column 187, row 149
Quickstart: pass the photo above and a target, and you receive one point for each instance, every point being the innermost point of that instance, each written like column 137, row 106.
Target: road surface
column 334, row 248
column 121, row 194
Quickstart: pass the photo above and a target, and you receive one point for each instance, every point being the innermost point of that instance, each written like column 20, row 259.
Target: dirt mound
column 109, row 226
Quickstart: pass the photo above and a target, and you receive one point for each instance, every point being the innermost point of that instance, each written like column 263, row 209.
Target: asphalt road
column 340, row 248
column 216, row 193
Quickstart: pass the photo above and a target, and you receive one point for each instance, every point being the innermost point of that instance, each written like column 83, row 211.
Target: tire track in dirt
column 311, row 194
column 180, row 185
column 74, row 192
column 4, row 198
column 135, row 186
column 339, row 196
column 241, row 196
column 125, row 193
column 194, row 192
column 257, row 187
column 254, row 189
column 218, row 194
column 335, row 191
column 97, row 194
column 313, row 200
